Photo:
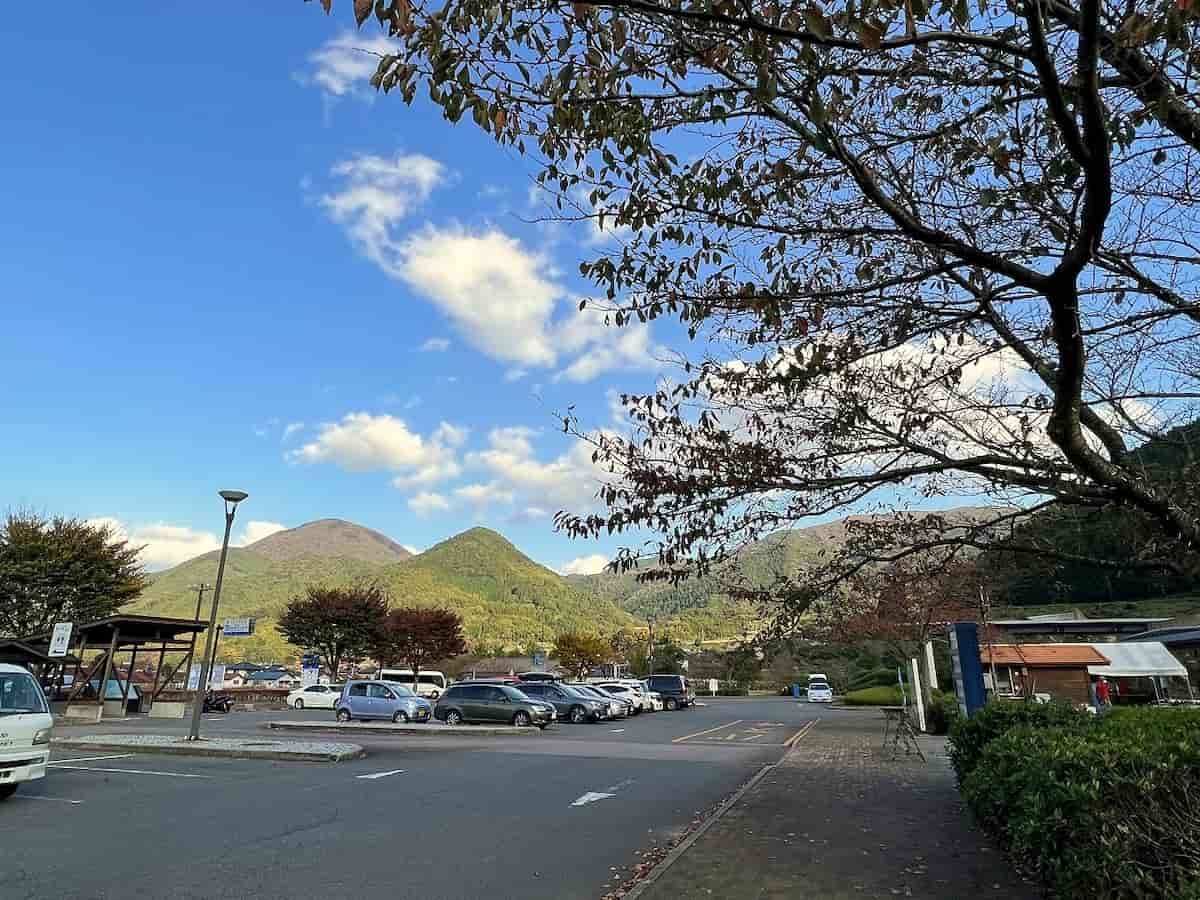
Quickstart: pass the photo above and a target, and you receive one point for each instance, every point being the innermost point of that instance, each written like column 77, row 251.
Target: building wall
column 1061, row 684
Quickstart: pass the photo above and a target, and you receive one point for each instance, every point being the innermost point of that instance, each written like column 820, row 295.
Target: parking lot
column 557, row 814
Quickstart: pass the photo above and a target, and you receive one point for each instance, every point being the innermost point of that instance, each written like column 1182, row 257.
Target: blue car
column 381, row 700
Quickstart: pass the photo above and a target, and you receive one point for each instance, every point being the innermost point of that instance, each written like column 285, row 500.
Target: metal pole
column 200, row 598
column 650, row 655
column 198, row 700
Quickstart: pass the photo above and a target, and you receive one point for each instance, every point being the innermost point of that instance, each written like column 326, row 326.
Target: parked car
column 819, row 692
column 381, row 700
column 656, row 701
column 482, row 701
column 618, row 707
column 571, row 705
column 633, row 691
column 677, row 692
column 25, row 727
column 316, row 696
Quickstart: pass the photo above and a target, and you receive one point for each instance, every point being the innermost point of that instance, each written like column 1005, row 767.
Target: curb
column 671, row 858
column 352, row 751
column 375, row 728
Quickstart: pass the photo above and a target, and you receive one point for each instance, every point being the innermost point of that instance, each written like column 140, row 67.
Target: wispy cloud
column 435, row 345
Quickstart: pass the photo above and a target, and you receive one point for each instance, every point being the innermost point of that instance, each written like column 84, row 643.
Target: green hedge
column 969, row 736
column 1092, row 809
column 942, row 714
column 874, row 696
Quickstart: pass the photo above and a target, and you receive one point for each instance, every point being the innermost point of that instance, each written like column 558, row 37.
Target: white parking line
column 382, row 774
column 618, row 731
column 130, row 771
column 39, row 797
column 75, row 759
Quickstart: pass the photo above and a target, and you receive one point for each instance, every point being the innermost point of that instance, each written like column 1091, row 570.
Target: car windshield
column 514, row 694
column 818, row 686
column 402, row 689
column 19, row 693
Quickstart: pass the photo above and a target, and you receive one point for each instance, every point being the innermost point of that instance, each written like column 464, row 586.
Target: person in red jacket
column 1103, row 698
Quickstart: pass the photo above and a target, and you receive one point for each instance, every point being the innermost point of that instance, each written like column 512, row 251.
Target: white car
column 634, row 693
column 25, row 727
column 819, row 692
column 317, row 696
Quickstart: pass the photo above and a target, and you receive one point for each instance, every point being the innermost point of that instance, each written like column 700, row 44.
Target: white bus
column 430, row 684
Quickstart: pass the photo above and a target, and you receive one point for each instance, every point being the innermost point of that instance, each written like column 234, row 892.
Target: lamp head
column 233, row 497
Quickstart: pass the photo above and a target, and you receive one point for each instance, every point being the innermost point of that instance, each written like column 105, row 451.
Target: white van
column 25, row 726
column 430, row 684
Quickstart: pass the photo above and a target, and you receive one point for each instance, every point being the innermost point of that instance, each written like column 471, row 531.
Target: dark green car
column 494, row 703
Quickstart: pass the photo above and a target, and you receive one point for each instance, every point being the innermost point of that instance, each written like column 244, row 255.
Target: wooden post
column 112, row 651
column 128, row 681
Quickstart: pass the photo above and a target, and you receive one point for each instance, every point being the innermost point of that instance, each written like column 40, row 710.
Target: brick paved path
column 836, row 819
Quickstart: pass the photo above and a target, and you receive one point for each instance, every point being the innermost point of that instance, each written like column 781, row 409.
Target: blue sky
column 227, row 263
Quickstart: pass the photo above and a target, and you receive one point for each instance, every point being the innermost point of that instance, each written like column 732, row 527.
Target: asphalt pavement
column 564, row 813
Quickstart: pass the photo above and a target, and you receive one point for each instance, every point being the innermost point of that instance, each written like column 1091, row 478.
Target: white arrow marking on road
column 591, row 797
column 618, row 731
column 382, row 774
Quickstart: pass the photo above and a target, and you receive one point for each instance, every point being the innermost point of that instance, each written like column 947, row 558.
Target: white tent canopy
column 1141, row 659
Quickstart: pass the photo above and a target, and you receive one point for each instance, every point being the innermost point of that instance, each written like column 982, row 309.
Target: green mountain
column 506, row 599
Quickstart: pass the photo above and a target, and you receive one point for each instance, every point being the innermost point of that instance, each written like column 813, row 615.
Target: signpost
column 193, row 682
column 60, row 640
column 243, row 627
column 968, row 668
column 539, row 662
column 713, row 686
column 310, row 669
column 216, row 677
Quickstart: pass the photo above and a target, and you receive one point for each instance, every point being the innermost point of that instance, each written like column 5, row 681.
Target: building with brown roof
column 1023, row 670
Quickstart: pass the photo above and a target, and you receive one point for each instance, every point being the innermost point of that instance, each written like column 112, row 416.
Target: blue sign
column 310, row 661
column 539, row 660
column 968, row 667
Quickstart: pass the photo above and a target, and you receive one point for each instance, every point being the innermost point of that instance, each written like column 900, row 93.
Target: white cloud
column 435, row 345
column 428, row 502
column 163, row 545
column 584, row 565
column 256, row 530
column 291, row 428
column 376, row 194
column 362, row 442
column 499, row 295
column 483, row 495
column 344, row 65
column 568, row 482
column 502, row 297
column 515, row 374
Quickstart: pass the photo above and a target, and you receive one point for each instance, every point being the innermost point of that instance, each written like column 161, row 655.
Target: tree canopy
column 340, row 623
column 63, row 570
column 923, row 248
column 578, row 653
column 417, row 636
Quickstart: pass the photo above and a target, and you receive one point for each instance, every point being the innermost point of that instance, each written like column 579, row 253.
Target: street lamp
column 232, row 499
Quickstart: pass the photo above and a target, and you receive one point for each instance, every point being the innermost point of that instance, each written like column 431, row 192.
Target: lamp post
column 232, row 499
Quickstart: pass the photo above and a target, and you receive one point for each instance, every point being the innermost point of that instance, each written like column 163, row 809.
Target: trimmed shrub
column 969, row 736
column 874, row 696
column 1109, row 808
column 942, row 713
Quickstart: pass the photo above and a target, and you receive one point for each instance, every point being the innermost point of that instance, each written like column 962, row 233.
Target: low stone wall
column 243, row 698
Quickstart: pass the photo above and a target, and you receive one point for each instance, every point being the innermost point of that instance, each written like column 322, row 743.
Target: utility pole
column 200, row 599
column 650, row 654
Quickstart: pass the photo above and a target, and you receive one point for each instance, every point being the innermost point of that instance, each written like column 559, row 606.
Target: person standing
column 1103, row 697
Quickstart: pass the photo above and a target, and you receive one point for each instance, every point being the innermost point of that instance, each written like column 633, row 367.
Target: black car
column 491, row 702
column 571, row 705
column 676, row 691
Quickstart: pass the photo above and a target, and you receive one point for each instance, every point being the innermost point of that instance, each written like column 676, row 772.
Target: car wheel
column 454, row 717
column 299, row 704
column 400, row 717
column 343, row 715
column 521, row 719
column 671, row 703
column 578, row 714
column 7, row 790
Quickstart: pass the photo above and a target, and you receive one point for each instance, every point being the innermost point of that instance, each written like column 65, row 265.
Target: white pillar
column 917, row 693
column 930, row 667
